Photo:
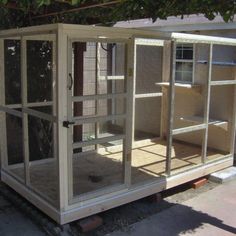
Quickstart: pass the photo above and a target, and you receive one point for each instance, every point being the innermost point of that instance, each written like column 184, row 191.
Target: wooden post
column 166, row 73
column 171, row 97
column 64, row 156
column 3, row 139
column 98, row 62
column 24, row 94
column 207, row 96
column 233, row 120
column 130, row 103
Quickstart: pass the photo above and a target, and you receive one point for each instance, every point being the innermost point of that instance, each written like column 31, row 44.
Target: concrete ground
column 210, row 213
column 14, row 223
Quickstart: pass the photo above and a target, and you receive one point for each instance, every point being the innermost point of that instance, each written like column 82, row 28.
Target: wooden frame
column 138, row 41
column 90, row 119
column 25, row 111
column 69, row 208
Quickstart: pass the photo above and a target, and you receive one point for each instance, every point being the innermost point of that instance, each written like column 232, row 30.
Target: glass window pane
column 187, row 76
column 12, row 54
column 178, row 76
column 184, row 51
column 179, row 53
column 188, row 54
column 184, row 66
column 39, row 70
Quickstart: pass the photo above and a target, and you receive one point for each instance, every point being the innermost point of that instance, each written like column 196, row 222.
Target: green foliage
column 28, row 10
column 43, row 2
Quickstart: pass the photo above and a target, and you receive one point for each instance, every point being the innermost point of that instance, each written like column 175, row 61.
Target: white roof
column 188, row 23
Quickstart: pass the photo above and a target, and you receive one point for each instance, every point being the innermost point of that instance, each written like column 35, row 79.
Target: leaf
column 3, row 2
column 124, row 10
column 43, row 2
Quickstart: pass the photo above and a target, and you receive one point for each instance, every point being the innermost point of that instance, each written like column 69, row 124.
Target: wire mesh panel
column 40, row 59
column 29, row 77
column 13, row 116
column 12, row 63
column 148, row 72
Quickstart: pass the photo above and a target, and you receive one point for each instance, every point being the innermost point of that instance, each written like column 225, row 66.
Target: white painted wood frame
column 207, row 97
column 171, row 97
column 70, row 208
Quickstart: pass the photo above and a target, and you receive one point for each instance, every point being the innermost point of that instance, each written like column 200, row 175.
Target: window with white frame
column 184, row 63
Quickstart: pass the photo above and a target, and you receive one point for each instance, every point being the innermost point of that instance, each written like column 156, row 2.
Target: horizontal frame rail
column 13, row 106
column 97, row 97
column 223, row 82
column 111, row 77
column 189, row 129
column 11, row 111
column 98, row 141
column 39, row 104
column 31, row 104
column 149, row 42
column 148, row 95
column 39, row 114
column 93, row 119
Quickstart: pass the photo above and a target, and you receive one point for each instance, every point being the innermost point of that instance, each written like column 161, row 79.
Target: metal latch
column 66, row 123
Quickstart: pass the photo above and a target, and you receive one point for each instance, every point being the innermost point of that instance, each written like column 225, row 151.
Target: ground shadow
column 179, row 220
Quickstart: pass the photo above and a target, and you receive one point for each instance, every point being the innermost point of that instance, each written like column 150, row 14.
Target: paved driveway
column 211, row 213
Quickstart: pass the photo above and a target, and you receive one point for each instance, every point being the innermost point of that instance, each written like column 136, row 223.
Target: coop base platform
column 93, row 206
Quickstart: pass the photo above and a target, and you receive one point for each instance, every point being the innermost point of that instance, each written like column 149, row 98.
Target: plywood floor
column 96, row 171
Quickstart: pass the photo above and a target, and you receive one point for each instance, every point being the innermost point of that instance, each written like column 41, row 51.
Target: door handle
column 71, row 81
column 67, row 123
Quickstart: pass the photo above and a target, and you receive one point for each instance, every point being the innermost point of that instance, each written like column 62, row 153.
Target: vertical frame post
column 69, row 117
column 207, row 96
column 130, row 109
column 171, row 97
column 98, row 62
column 54, row 97
column 233, row 120
column 194, row 63
column 3, row 133
column 62, row 149
column 166, row 70
column 24, row 104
